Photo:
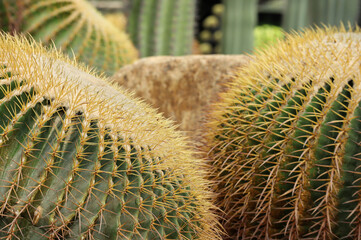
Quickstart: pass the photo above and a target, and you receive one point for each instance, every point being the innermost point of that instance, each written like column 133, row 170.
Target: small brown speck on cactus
column 81, row 159
column 285, row 140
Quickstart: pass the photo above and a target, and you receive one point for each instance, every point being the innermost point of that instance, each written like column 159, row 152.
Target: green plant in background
column 162, row 27
column 75, row 27
column 266, row 35
column 300, row 14
column 238, row 22
column 80, row 159
column 284, row 142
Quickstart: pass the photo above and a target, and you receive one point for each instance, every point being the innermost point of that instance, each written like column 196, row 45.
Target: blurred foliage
column 211, row 34
column 238, row 21
column 266, row 35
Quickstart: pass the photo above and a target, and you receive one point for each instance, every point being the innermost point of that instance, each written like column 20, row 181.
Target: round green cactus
column 75, row 27
column 285, row 143
column 81, row 159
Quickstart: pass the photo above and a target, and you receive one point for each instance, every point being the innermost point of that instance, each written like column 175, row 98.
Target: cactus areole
column 285, row 145
column 80, row 159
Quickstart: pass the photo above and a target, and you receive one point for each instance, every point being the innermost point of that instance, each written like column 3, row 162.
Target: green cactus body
column 285, row 141
column 162, row 27
column 80, row 159
column 238, row 22
column 76, row 28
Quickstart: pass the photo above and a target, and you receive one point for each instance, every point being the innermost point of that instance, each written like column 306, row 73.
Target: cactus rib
column 81, row 159
column 284, row 143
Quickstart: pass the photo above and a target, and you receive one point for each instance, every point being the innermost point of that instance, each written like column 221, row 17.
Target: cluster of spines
column 75, row 27
column 162, row 27
column 285, row 147
column 66, row 172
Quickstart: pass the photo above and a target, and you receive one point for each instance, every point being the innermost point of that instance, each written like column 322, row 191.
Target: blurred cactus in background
column 162, row 27
column 239, row 20
column 299, row 14
column 111, row 6
column 75, row 27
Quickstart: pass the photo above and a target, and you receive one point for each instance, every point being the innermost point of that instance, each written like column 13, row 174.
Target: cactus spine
column 285, row 140
column 162, row 27
column 75, row 27
column 81, row 159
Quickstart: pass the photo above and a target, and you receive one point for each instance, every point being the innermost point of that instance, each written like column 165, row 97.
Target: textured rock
column 181, row 87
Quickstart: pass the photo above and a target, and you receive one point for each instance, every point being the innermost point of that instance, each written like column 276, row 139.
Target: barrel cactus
column 73, row 26
column 285, row 140
column 81, row 159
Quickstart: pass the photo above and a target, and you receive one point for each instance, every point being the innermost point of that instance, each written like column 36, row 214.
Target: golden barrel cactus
column 75, row 27
column 81, row 159
column 285, row 141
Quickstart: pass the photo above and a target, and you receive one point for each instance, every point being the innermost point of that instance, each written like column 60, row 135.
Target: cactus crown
column 285, row 145
column 80, row 158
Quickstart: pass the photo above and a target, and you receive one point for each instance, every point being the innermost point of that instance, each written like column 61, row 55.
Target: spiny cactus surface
column 73, row 26
column 285, row 143
column 162, row 27
column 80, row 159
